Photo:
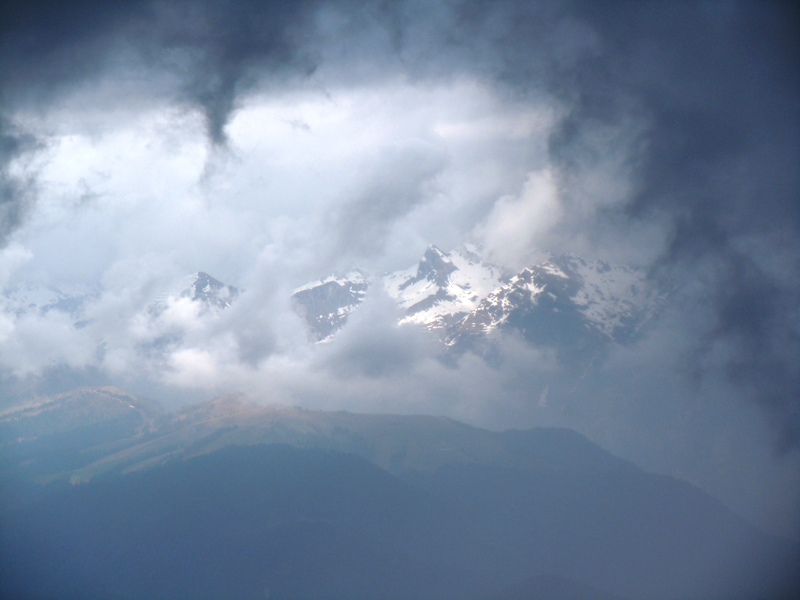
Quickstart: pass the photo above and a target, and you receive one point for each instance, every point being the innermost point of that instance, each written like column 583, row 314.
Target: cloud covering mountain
column 268, row 143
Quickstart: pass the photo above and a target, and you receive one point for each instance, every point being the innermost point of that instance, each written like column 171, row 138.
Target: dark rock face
column 435, row 266
column 325, row 307
column 211, row 292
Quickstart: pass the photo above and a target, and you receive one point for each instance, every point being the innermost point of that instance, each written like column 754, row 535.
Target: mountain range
column 565, row 302
column 105, row 495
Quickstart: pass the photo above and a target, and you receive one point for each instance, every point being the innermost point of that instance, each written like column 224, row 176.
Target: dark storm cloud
column 757, row 314
column 230, row 45
column 720, row 85
column 45, row 47
column 205, row 53
column 713, row 90
column 216, row 49
column 16, row 194
column 718, row 88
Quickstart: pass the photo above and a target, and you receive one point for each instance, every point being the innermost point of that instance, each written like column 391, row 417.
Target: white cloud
column 12, row 257
column 516, row 223
column 35, row 342
column 193, row 368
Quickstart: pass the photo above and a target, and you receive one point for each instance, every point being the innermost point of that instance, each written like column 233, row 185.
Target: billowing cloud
column 516, row 224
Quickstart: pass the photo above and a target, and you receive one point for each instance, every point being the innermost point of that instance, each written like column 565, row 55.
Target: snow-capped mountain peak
column 210, row 291
column 463, row 298
column 210, row 295
column 442, row 287
column 435, row 266
column 325, row 304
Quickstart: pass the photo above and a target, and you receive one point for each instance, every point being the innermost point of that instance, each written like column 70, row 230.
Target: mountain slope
column 52, row 435
column 263, row 521
column 398, row 443
column 375, row 506
column 552, row 588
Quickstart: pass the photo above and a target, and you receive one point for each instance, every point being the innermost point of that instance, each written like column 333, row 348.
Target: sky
column 272, row 143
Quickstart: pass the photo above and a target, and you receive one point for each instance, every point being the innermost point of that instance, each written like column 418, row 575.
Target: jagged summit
column 435, row 266
column 210, row 291
column 563, row 300
column 443, row 287
column 161, row 320
column 326, row 304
